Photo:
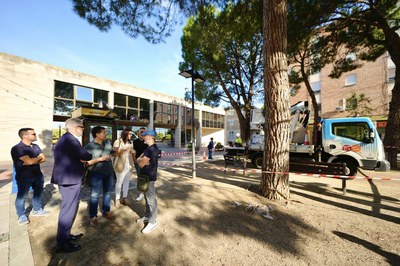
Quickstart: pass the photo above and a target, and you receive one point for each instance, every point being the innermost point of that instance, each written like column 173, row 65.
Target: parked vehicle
column 352, row 140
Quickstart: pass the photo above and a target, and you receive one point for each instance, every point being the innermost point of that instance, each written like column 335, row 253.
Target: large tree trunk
column 392, row 133
column 311, row 93
column 275, row 178
column 244, row 123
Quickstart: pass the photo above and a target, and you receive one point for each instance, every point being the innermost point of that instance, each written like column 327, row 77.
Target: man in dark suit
column 69, row 159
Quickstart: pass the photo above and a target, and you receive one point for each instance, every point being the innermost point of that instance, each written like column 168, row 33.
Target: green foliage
column 226, row 47
column 359, row 105
column 167, row 136
column 160, row 136
column 366, row 28
column 57, row 133
column 189, row 147
column 154, row 20
column 308, row 50
column 219, row 146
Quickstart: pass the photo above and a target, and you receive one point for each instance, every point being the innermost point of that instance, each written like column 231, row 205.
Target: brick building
column 374, row 79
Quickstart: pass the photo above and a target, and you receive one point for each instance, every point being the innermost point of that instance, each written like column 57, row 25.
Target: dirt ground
column 206, row 221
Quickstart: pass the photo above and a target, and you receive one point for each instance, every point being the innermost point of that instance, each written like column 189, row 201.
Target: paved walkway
column 15, row 247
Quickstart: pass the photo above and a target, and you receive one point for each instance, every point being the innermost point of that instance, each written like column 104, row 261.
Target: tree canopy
column 154, row 20
column 226, row 47
column 369, row 29
column 308, row 50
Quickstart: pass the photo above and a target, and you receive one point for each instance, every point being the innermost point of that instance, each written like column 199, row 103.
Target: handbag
column 143, row 182
column 87, row 178
column 119, row 161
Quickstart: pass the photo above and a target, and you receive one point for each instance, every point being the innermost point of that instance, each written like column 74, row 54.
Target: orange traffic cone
column 306, row 139
column 204, row 156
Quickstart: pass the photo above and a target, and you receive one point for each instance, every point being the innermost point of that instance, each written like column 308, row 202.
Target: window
column 69, row 97
column 316, row 86
column 391, row 74
column 314, row 77
column 166, row 113
column 187, row 115
column 357, row 130
column 63, row 107
column 231, row 135
column 132, row 108
column 100, row 96
column 119, row 100
column 351, row 57
column 350, row 80
column 212, row 120
column 84, row 94
column 63, row 90
column 144, row 107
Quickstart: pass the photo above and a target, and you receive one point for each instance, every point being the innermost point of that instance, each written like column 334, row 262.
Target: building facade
column 375, row 80
column 232, row 126
column 42, row 96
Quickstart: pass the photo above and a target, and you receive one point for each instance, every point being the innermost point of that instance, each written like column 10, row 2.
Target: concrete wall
column 27, row 98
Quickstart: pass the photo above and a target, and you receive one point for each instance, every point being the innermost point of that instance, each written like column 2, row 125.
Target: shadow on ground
column 200, row 225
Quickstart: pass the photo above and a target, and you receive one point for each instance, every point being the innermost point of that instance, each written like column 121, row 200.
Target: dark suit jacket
column 68, row 168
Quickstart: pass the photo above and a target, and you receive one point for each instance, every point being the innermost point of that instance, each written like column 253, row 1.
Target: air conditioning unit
column 339, row 109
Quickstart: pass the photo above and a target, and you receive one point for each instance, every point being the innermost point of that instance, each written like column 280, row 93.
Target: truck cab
column 355, row 141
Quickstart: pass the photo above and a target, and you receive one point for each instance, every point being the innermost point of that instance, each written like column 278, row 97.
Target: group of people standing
column 70, row 163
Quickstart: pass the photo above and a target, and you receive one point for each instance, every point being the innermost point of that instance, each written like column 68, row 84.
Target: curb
column 15, row 247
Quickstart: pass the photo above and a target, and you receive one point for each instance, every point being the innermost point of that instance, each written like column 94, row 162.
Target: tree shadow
column 46, row 137
column 6, row 176
column 120, row 242
column 238, row 179
column 367, row 194
column 319, row 188
column 391, row 258
column 376, row 203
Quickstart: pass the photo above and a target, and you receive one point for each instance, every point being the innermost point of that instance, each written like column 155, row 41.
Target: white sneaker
column 140, row 197
column 149, row 227
column 40, row 212
column 142, row 220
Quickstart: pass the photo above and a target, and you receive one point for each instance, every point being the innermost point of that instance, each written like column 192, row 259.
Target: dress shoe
column 94, row 222
column 108, row 215
column 68, row 247
column 125, row 201
column 75, row 237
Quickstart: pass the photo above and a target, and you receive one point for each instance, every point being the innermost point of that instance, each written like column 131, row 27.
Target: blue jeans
column 23, row 185
column 99, row 181
column 210, row 153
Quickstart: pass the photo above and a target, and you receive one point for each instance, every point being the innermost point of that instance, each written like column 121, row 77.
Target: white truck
column 352, row 140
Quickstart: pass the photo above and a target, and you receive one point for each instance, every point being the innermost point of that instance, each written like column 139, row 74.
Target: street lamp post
column 191, row 73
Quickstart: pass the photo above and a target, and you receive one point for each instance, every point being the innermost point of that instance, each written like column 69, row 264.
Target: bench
column 236, row 156
column 337, row 170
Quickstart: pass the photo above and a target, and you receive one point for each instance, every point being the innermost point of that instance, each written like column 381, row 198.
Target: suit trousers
column 69, row 208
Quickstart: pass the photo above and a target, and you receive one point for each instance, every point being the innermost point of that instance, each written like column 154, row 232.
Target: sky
column 50, row 32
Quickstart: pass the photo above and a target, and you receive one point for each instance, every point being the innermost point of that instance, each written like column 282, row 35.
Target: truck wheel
column 258, row 161
column 351, row 166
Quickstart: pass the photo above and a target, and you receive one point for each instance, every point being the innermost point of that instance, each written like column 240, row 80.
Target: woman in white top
column 124, row 152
